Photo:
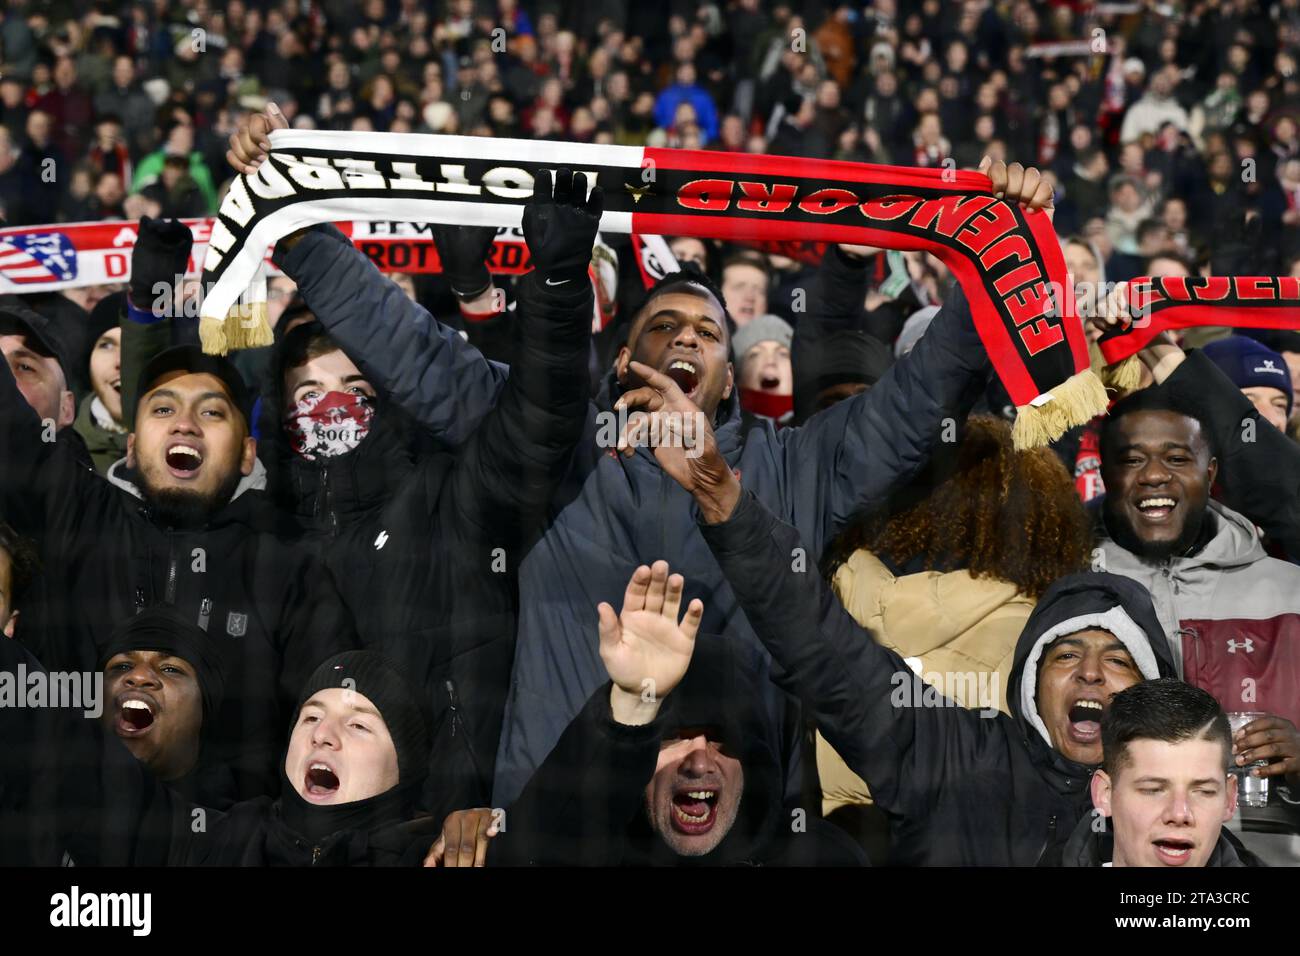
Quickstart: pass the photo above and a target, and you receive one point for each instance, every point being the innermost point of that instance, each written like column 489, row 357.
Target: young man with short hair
column 1164, row 790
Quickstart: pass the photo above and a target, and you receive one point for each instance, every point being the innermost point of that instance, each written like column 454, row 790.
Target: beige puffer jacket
column 947, row 624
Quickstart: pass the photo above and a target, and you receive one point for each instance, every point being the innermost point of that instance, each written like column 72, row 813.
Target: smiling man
column 1164, row 789
column 1230, row 613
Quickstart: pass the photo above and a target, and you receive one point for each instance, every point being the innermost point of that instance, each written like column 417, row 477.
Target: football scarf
column 1007, row 259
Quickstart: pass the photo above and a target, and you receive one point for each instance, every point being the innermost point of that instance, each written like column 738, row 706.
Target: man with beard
column 613, row 513
column 180, row 522
column 39, row 360
column 1230, row 613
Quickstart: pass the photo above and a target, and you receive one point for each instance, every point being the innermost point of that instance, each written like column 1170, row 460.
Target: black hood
column 1093, row 843
column 1075, row 596
column 721, row 691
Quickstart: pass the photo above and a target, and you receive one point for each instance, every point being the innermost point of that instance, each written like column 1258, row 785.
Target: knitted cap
column 765, row 328
column 166, row 630
column 370, row 674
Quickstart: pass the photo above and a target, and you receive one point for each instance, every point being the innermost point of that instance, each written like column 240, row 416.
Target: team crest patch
column 236, row 624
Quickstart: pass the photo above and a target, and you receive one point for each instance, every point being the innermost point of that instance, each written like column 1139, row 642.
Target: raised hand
column 249, row 145
column 560, row 225
column 463, row 252
column 1016, row 183
column 646, row 650
column 663, row 418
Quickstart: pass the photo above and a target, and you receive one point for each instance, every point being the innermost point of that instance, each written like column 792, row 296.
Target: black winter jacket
column 427, row 550
column 611, row 514
column 1088, row 846
column 961, row 787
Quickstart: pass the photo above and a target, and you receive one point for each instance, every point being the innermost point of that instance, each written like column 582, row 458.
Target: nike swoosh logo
column 561, row 282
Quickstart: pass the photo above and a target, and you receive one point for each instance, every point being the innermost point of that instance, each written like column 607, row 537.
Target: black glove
column 463, row 251
column 162, row 252
column 561, row 230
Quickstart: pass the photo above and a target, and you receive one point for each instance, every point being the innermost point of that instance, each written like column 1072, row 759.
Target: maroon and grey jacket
column 1231, row 614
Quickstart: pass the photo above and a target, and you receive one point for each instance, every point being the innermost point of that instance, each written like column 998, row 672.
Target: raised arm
column 851, row 457
column 577, row 806
column 507, row 472
column 1258, row 464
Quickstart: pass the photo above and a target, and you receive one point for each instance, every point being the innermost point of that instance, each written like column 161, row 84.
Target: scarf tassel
column 1077, row 400
column 1124, row 376
column 246, row 325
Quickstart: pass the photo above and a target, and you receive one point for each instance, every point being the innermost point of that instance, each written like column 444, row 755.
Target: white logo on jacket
column 1248, row 644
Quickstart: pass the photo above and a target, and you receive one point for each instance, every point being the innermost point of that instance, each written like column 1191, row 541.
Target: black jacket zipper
column 327, row 504
column 169, row 594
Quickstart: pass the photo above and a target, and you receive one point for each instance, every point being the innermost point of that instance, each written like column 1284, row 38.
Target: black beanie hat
column 402, row 710
column 165, row 629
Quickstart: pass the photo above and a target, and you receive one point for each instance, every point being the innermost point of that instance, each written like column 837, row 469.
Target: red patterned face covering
column 328, row 425
column 766, row 404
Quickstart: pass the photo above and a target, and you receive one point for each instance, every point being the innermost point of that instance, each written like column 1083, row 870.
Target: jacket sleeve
column 507, row 472
column 578, row 804
column 863, row 698
column 1258, row 464
column 427, row 368
column 851, row 457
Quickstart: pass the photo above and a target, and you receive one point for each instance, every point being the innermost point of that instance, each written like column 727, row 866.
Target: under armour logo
column 1248, row 644
column 381, row 540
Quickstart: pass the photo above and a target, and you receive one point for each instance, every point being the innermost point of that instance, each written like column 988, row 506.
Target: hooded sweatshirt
column 1230, row 613
column 586, row 803
column 961, row 787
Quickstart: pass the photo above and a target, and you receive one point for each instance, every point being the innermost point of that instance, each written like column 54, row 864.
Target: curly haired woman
column 948, row 575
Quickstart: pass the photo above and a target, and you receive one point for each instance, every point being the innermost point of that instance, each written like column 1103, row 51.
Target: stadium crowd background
column 1157, row 121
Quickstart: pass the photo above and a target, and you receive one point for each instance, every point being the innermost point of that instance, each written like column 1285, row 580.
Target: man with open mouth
column 181, row 520
column 1164, row 789
column 1230, row 613
column 163, row 685
column 673, row 762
